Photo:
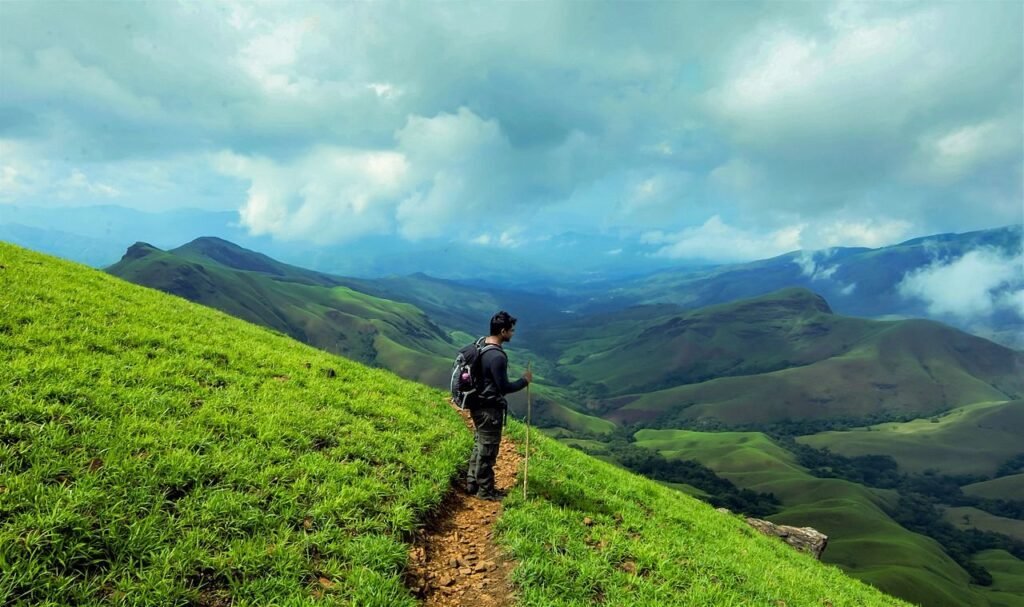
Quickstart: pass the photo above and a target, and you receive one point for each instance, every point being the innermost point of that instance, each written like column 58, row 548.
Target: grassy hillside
column 155, row 452
column 628, row 353
column 974, row 439
column 593, row 534
column 353, row 317
column 906, row 368
column 1006, row 487
column 864, row 540
column 1008, row 573
column 972, row 518
column 311, row 307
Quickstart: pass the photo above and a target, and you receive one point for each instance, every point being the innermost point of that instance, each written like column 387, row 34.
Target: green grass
column 310, row 307
column 1007, row 571
column 911, row 368
column 863, row 539
column 156, row 452
column 1006, row 487
column 648, row 545
column 973, row 518
column 974, row 439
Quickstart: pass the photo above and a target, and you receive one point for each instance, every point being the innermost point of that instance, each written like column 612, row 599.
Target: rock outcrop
column 805, row 539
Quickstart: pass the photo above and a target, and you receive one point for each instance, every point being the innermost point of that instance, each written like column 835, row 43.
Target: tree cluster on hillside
column 920, row 497
column 1014, row 465
column 721, row 492
column 676, row 418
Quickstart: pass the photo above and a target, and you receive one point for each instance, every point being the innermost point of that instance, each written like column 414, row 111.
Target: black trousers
column 488, row 422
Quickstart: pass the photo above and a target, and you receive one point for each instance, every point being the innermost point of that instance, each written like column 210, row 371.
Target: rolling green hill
column 974, row 439
column 864, row 539
column 311, row 307
column 781, row 358
column 1008, row 572
column 1006, row 487
column 785, row 357
column 383, row 322
column 156, row 452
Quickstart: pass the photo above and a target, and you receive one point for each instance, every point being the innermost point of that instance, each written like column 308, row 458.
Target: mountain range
column 736, row 386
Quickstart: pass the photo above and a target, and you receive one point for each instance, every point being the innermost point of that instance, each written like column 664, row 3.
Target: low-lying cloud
column 973, row 286
column 716, row 240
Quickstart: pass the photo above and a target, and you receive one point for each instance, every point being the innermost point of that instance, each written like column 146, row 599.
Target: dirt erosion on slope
column 454, row 560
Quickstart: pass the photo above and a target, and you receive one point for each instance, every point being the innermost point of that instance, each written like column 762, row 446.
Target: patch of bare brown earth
column 454, row 560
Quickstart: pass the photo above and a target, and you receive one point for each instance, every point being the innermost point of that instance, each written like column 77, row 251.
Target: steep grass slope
column 864, row 539
column 591, row 533
column 155, row 452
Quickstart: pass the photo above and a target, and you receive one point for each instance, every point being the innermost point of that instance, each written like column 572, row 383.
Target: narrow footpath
column 454, row 560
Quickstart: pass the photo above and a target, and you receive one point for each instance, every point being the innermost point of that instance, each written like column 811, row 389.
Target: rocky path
column 454, row 560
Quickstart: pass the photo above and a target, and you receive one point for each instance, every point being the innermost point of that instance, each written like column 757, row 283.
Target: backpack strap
column 487, row 348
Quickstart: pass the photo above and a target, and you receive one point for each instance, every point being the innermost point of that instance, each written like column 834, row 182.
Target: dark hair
column 500, row 321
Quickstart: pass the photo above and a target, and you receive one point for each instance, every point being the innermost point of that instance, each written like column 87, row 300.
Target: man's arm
column 498, row 367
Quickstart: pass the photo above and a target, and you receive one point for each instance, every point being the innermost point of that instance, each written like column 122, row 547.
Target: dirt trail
column 454, row 560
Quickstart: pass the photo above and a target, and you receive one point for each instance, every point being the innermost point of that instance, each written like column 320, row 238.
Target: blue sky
column 728, row 131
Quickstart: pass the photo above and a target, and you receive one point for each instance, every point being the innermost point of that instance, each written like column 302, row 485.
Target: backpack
column 467, row 373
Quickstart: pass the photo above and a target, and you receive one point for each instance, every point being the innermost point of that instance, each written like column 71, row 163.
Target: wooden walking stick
column 526, row 466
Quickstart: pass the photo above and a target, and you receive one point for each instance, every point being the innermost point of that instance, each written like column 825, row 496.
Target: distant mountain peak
column 229, row 254
column 207, row 242
column 139, row 250
column 791, row 301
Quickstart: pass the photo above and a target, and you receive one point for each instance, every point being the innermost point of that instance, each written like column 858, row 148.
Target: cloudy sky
column 728, row 130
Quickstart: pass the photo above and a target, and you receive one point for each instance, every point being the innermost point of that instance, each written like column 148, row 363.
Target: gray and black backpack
column 467, row 372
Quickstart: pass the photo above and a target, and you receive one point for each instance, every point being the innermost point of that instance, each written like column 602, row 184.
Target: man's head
column 503, row 325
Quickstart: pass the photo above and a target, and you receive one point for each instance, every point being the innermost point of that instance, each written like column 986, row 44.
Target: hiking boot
column 471, row 488
column 491, row 495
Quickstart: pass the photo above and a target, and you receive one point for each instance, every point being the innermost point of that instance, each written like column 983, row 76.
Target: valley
column 752, row 389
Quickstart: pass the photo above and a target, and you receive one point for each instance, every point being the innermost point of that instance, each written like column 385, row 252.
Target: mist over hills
column 974, row 281
column 105, row 232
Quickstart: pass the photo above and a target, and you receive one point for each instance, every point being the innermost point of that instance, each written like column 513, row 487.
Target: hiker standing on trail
column 488, row 407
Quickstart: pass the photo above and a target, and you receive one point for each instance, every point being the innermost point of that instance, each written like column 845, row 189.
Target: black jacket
column 496, row 385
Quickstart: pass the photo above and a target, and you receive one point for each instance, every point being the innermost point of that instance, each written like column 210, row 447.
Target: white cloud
column 715, row 240
column 507, row 239
column 871, row 233
column 329, row 194
column 18, row 171
column 737, row 176
column 1013, row 300
column 884, row 100
column 949, row 154
column 78, row 181
column 971, row 286
column 444, row 176
column 812, row 264
column 804, row 108
column 454, row 160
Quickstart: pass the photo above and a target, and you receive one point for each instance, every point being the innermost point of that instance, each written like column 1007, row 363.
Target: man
column 488, row 407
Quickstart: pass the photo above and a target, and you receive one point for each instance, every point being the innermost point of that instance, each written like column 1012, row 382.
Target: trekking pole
column 526, row 466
